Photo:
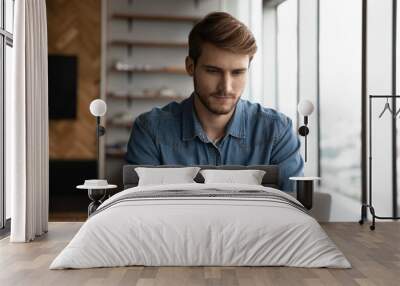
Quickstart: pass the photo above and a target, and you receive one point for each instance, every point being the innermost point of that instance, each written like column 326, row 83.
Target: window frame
column 6, row 39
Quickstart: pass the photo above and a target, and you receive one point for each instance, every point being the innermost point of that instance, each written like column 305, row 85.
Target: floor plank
column 374, row 255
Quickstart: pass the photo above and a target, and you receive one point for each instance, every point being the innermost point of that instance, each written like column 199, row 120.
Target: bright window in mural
column 287, row 59
column 340, row 92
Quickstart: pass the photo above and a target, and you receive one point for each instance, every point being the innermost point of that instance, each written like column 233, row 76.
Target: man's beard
column 206, row 100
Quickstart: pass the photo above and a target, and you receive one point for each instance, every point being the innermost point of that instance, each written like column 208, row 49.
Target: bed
column 201, row 224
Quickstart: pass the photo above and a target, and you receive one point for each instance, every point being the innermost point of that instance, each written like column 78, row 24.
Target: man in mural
column 214, row 126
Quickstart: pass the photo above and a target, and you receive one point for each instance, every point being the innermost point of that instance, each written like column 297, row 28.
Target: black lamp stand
column 97, row 195
column 100, row 131
column 303, row 131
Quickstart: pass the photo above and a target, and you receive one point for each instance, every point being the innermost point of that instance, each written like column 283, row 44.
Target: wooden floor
column 374, row 255
column 68, row 216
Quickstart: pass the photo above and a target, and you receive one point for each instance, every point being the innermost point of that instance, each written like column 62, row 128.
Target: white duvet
column 185, row 231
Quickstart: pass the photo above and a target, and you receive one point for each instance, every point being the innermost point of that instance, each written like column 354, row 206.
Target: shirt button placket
column 217, row 154
column 213, row 153
column 218, row 157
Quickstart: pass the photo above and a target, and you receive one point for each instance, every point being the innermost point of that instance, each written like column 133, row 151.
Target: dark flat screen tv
column 63, row 76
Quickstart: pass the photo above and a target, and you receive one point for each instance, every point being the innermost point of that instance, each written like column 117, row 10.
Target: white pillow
column 163, row 176
column 249, row 177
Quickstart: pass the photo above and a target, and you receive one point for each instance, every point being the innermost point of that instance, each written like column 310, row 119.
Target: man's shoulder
column 258, row 114
column 159, row 115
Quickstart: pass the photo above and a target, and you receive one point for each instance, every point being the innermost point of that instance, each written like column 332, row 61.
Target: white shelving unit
column 144, row 45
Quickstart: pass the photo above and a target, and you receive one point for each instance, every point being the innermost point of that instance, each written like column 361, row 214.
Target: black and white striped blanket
column 205, row 194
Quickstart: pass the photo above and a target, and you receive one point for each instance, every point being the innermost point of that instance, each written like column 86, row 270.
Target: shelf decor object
column 161, row 18
column 369, row 205
column 148, row 44
column 147, row 69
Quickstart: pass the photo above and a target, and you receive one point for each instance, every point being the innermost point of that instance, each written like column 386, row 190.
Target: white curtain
column 27, row 124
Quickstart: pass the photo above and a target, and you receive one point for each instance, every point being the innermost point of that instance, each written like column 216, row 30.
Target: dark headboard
column 271, row 177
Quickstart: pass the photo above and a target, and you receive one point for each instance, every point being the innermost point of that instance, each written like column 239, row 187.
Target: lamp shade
column 98, row 107
column 305, row 107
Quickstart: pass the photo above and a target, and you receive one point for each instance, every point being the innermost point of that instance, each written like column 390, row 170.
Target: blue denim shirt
column 254, row 136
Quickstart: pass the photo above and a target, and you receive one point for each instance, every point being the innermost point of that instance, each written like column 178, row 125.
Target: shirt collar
column 191, row 126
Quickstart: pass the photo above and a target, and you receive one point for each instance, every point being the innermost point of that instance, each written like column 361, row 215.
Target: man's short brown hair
column 224, row 31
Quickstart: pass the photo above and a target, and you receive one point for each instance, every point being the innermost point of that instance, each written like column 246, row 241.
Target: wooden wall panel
column 74, row 28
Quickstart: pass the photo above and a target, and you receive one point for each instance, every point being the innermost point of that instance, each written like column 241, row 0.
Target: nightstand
column 305, row 190
column 97, row 190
